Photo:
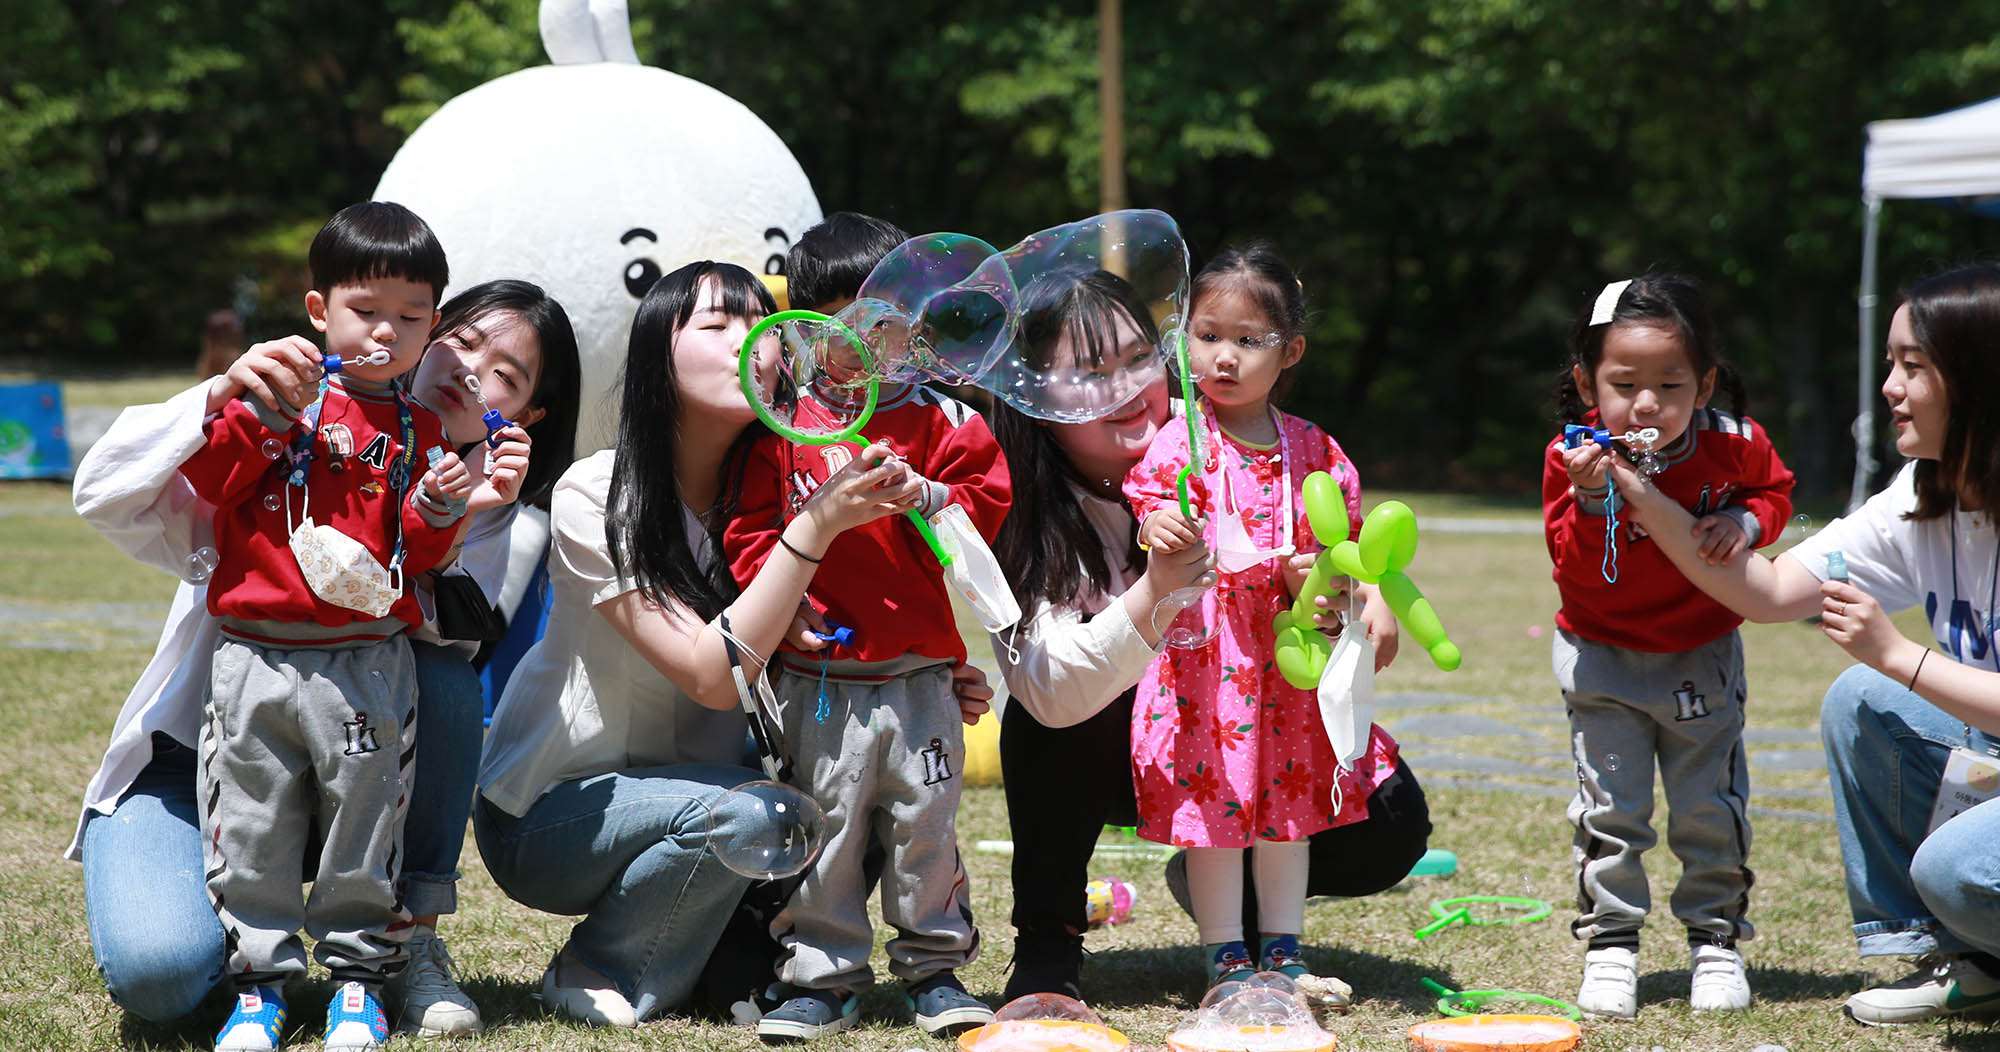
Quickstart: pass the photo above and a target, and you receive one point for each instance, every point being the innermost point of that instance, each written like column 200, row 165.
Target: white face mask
column 974, row 573
column 341, row 571
column 1235, row 552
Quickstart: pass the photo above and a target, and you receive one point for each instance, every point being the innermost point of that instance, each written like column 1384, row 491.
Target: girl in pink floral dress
column 1227, row 756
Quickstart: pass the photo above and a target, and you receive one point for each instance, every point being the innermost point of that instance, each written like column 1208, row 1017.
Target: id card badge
column 1970, row 778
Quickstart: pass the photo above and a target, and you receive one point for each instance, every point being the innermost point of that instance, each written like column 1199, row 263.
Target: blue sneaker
column 806, row 1014
column 944, row 1009
column 257, row 1024
column 354, row 1020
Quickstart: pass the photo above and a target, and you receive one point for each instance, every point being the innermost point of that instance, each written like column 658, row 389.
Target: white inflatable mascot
column 592, row 177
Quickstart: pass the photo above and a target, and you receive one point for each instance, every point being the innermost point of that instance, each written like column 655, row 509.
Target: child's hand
column 808, row 629
column 875, row 483
column 505, row 467
column 1296, row 567
column 1719, row 538
column 1168, row 531
column 283, row 374
column 1586, row 466
column 975, row 698
column 449, row 480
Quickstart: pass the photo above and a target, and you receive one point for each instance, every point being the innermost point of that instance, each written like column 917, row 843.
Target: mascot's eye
column 640, row 275
column 775, row 263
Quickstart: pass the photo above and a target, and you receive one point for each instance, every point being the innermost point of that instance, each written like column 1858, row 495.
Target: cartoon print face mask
column 341, row 571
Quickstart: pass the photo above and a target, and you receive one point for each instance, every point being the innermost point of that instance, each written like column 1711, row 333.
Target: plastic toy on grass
column 1496, row 1033
column 1475, row 1002
column 1044, row 1023
column 1107, row 900
column 1436, row 862
column 1447, row 912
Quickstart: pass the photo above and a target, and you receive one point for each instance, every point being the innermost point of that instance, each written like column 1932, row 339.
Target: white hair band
column 1607, row 302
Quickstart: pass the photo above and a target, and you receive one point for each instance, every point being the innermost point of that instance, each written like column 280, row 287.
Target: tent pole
column 1864, row 419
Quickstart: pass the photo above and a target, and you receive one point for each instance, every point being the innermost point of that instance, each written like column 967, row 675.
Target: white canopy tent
column 1951, row 155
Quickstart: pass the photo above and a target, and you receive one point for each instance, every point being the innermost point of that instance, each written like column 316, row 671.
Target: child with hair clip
column 1227, row 757
column 1651, row 669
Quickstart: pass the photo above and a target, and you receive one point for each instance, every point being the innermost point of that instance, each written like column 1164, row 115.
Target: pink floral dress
column 1224, row 751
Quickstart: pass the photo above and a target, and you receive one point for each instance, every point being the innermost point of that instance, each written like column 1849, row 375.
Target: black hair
column 377, row 239
column 1955, row 318
column 1046, row 546
column 557, row 383
column 1656, row 298
column 1272, row 286
column 644, row 524
column 831, row 260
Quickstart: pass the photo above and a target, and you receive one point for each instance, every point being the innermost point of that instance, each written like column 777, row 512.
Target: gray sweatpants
column 1628, row 712
column 884, row 762
column 299, row 741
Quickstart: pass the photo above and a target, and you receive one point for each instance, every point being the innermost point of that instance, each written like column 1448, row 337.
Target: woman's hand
column 975, row 698
column 1853, row 619
column 1720, row 537
column 505, row 467
column 283, row 374
column 1171, row 569
column 875, row 483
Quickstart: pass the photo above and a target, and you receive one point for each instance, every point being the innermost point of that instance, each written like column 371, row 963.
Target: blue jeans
column 158, row 945
column 1886, row 749
column 629, row 852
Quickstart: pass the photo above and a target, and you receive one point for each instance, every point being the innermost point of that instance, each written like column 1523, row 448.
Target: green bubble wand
column 746, row 375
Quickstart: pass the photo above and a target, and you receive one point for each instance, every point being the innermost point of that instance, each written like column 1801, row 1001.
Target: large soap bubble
column 766, row 830
column 1098, row 299
column 939, row 306
column 1253, row 1018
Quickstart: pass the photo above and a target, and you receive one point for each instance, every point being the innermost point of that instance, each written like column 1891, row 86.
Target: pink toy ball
column 1107, row 900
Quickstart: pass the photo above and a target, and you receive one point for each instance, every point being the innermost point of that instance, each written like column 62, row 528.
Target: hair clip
column 1607, row 302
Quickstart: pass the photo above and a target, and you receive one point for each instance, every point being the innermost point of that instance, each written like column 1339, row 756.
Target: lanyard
column 1228, row 494
column 1992, row 590
column 399, row 471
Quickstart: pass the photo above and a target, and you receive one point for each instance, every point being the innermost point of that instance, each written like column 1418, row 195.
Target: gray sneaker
column 1942, row 985
column 944, row 1009
column 433, row 1005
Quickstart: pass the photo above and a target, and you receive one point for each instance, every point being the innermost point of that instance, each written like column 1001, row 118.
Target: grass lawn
column 1488, row 741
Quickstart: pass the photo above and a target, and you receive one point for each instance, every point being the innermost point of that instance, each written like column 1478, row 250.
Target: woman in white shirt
column 1923, row 878
column 621, row 730
column 153, row 930
column 1069, row 548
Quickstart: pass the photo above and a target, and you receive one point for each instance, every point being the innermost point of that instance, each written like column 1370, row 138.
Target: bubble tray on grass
column 1496, row 1033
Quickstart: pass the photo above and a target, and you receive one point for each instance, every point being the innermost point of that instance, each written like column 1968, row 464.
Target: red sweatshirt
column 1721, row 463
column 879, row 579
column 257, row 578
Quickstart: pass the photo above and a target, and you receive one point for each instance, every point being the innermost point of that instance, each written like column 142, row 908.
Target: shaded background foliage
column 1452, row 178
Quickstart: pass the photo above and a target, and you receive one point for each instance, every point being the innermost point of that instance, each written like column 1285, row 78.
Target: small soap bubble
column 272, row 503
column 1800, row 527
column 273, row 449
column 1611, row 761
column 200, row 565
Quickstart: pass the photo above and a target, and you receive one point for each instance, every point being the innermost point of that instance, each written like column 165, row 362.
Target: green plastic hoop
column 1473, row 1002
column 1537, row 909
column 746, row 377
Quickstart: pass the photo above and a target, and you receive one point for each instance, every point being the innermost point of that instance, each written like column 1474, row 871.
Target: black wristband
column 1919, row 670
column 795, row 551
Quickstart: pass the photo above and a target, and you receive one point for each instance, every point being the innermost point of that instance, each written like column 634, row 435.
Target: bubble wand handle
column 746, row 377
column 1195, row 452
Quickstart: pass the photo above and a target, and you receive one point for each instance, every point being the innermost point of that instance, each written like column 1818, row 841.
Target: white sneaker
column 1610, row 987
column 1941, row 986
column 1719, row 983
column 580, row 992
column 427, row 988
